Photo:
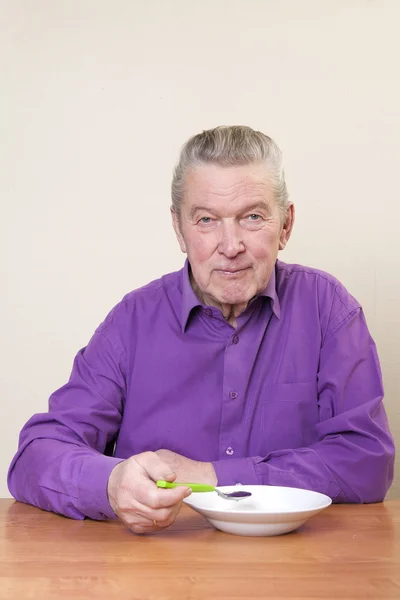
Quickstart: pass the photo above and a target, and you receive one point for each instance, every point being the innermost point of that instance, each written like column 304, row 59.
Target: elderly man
column 237, row 369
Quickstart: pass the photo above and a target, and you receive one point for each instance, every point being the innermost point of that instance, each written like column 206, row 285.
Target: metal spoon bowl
column 239, row 495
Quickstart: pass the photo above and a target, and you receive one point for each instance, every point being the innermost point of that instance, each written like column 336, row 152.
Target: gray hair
column 230, row 146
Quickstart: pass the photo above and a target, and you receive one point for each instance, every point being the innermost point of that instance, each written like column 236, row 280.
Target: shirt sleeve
column 60, row 464
column 353, row 456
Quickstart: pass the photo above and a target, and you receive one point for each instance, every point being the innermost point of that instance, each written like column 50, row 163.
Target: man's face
column 231, row 229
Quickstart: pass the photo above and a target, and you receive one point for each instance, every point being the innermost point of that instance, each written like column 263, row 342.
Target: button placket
column 232, row 409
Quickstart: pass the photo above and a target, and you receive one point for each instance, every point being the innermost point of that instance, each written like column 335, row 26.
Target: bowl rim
column 326, row 504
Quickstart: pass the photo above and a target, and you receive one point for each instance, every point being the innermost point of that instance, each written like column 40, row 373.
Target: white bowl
column 270, row 510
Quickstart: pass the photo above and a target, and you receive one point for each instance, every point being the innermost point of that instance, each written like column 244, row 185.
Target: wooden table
column 346, row 552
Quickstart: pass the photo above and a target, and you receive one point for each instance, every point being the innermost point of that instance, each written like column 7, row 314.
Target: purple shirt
column 292, row 397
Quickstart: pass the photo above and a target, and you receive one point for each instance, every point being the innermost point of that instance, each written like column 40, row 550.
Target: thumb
column 155, row 467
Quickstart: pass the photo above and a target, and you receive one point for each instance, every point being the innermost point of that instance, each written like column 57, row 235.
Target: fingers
column 146, row 526
column 147, row 493
column 135, row 498
column 130, row 509
column 155, row 498
column 139, row 523
column 155, row 467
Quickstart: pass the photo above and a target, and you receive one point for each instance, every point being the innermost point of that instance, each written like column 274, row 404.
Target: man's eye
column 254, row 217
column 205, row 220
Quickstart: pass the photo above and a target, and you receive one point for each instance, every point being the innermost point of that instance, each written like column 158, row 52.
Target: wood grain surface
column 346, row 552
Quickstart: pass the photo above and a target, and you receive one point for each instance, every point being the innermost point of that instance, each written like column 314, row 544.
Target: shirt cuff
column 92, row 486
column 235, row 471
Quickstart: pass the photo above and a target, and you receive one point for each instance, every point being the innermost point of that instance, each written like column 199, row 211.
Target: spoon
column 202, row 487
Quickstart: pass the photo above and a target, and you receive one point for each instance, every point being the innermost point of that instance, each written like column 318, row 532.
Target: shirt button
column 208, row 312
column 229, row 451
column 233, row 395
column 235, row 339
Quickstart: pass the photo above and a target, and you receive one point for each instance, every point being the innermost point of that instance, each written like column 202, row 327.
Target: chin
column 234, row 297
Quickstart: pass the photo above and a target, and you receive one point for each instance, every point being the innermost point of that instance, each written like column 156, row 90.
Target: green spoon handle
column 195, row 487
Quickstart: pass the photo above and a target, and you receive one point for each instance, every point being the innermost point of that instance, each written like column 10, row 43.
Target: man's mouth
column 229, row 272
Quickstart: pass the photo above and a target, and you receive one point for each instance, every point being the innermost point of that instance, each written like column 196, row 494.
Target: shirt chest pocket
column 289, row 415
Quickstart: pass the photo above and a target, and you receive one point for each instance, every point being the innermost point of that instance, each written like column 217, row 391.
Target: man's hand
column 186, row 469
column 135, row 498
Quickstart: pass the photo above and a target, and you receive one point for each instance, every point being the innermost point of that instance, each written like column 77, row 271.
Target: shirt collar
column 191, row 301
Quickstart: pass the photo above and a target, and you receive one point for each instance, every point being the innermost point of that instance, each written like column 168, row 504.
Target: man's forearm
column 347, row 465
column 63, row 478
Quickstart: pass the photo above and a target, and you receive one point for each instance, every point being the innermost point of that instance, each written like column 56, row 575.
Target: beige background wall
column 96, row 98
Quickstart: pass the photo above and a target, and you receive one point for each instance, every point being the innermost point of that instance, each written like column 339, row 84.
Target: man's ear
column 287, row 228
column 177, row 229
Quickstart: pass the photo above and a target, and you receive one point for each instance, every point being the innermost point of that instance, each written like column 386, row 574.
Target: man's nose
column 231, row 242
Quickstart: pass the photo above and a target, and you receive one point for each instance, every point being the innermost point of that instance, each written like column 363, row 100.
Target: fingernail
column 188, row 492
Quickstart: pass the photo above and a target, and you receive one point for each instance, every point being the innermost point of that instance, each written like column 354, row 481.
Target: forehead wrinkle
column 254, row 197
column 207, row 192
column 237, row 192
